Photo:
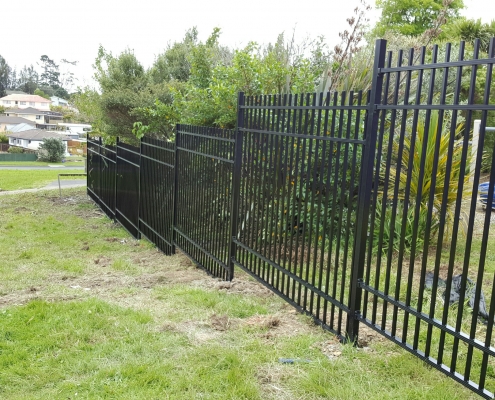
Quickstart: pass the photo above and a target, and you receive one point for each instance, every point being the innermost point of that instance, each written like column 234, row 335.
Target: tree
column 4, row 76
column 41, row 93
column 28, row 80
column 125, row 86
column 174, row 63
column 51, row 150
column 413, row 17
column 50, row 75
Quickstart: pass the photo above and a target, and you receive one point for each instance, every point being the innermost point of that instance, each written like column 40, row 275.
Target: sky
column 74, row 30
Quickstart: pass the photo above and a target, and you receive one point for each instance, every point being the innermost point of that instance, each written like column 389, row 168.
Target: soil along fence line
column 358, row 208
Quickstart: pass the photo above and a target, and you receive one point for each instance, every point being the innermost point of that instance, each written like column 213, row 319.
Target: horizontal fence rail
column 361, row 209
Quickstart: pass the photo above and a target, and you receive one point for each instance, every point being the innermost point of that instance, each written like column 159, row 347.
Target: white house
column 76, row 129
column 31, row 139
column 58, row 101
column 25, row 101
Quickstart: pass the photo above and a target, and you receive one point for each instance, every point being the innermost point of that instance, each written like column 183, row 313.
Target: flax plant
column 431, row 143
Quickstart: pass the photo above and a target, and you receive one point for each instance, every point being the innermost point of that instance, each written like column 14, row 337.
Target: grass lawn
column 11, row 179
column 88, row 312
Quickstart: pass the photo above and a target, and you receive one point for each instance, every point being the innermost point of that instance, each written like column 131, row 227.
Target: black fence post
column 99, row 170
column 176, row 185
column 236, row 184
column 139, row 188
column 116, row 179
column 364, row 196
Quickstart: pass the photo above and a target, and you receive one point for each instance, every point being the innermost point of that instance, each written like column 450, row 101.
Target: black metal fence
column 356, row 208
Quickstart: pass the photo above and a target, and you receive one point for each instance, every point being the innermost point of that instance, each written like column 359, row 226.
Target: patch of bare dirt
column 222, row 322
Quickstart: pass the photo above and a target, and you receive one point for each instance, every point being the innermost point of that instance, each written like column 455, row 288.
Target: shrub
column 15, row 150
column 4, row 138
column 436, row 142
column 51, row 150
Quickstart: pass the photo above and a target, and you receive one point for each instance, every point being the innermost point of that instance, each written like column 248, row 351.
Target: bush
column 15, row 150
column 51, row 150
column 4, row 138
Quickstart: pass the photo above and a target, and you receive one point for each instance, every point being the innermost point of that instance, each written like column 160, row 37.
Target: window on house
column 31, row 103
column 16, row 102
column 23, row 103
column 6, row 102
column 38, row 117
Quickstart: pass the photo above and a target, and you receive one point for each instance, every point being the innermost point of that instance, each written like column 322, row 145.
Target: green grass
column 30, row 179
column 87, row 312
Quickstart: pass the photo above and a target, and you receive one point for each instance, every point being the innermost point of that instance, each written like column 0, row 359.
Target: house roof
column 15, row 120
column 26, row 97
column 28, row 110
column 38, row 134
column 20, row 127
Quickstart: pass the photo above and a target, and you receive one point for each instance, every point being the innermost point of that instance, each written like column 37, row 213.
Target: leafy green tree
column 41, row 93
column 87, row 103
column 175, row 63
column 125, row 87
column 51, row 150
column 414, row 17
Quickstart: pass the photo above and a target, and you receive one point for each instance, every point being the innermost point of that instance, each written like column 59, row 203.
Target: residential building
column 79, row 129
column 30, row 113
column 5, row 122
column 58, row 101
column 20, row 128
column 31, row 139
column 43, row 119
column 25, row 101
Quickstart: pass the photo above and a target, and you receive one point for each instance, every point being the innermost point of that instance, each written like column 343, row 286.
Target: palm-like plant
column 432, row 141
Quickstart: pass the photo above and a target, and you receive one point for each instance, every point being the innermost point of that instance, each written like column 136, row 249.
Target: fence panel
column 102, row 166
column 93, row 169
column 127, row 187
column 429, row 276
column 298, row 195
column 156, row 203
column 204, row 170
column 16, row 156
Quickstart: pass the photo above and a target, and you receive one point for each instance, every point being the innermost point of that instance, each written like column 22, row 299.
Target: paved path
column 65, row 184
